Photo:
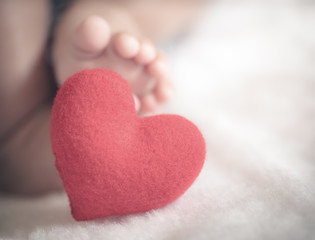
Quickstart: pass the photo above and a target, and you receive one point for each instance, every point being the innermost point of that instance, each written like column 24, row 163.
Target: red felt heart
column 113, row 162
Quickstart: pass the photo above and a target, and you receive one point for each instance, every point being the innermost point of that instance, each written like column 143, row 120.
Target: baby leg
column 26, row 161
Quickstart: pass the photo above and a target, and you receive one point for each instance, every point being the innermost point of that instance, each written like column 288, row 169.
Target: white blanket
column 246, row 77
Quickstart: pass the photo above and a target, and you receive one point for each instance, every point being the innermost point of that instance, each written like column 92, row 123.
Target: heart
column 113, row 162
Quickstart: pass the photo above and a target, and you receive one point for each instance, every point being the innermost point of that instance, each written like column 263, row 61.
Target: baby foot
column 91, row 45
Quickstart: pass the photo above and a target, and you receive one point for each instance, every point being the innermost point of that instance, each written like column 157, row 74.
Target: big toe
column 91, row 37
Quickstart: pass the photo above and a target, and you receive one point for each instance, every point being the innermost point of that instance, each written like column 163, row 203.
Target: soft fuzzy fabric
column 246, row 77
column 113, row 162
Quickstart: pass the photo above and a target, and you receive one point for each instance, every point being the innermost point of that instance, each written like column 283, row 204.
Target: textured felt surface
column 113, row 162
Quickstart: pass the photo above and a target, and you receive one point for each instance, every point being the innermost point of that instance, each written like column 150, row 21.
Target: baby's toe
column 146, row 54
column 126, row 45
column 164, row 90
column 91, row 37
column 148, row 104
column 158, row 69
